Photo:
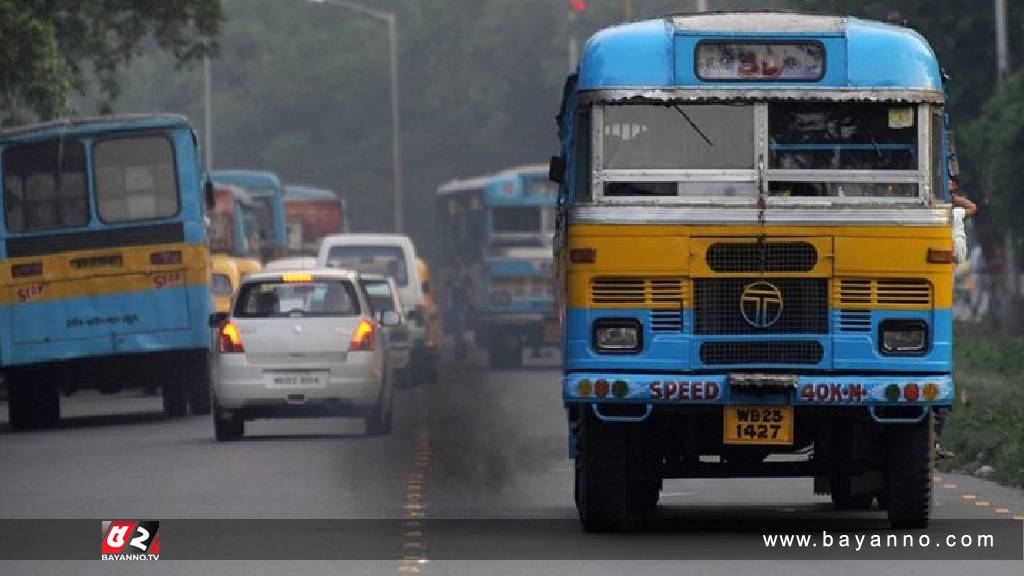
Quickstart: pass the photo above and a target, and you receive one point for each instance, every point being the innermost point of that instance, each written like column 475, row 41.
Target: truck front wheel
column 911, row 465
column 617, row 482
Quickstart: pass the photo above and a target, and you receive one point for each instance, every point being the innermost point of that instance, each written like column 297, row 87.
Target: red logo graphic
column 130, row 540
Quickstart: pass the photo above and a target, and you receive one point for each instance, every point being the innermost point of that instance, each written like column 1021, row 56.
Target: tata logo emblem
column 761, row 304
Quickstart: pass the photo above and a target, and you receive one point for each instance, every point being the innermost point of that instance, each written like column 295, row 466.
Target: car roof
column 368, row 239
column 338, row 273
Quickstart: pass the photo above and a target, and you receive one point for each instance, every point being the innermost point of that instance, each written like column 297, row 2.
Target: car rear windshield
column 279, row 299
column 379, row 293
column 383, row 260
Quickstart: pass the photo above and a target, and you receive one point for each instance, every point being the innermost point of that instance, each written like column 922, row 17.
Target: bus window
column 135, row 179
column 678, row 137
column 38, row 194
column 837, row 137
column 519, row 219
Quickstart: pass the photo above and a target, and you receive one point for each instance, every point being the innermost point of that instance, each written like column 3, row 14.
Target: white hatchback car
column 301, row 344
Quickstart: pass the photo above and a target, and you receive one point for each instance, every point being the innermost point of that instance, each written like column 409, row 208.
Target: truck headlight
column 617, row 335
column 908, row 337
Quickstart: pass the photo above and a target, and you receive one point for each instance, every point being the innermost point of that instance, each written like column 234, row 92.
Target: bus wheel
column 198, row 380
column 617, row 482
column 175, row 393
column 911, row 465
column 33, row 399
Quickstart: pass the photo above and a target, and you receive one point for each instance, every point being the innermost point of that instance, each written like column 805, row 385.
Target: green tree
column 50, row 49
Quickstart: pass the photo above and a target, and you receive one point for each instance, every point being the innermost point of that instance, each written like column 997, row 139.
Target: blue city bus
column 105, row 263
column 497, row 232
column 754, row 255
column 266, row 190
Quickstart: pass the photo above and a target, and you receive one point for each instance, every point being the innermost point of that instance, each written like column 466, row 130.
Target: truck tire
column 33, row 399
column 616, row 481
column 198, row 382
column 227, row 426
column 911, row 465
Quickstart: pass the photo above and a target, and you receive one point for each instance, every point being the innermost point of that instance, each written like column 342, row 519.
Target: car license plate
column 552, row 333
column 296, row 379
column 758, row 425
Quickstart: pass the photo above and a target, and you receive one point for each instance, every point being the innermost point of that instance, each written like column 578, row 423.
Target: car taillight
column 363, row 337
column 230, row 339
column 165, row 258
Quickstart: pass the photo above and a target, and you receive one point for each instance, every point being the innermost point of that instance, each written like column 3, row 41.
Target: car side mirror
column 556, row 169
column 389, row 318
column 217, row 319
column 208, row 194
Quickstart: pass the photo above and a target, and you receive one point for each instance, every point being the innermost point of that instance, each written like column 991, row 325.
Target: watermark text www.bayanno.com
column 860, row 541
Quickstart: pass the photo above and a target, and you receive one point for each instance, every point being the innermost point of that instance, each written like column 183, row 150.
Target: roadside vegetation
column 986, row 427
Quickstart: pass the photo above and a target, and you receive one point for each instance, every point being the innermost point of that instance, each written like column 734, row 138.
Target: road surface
column 482, row 445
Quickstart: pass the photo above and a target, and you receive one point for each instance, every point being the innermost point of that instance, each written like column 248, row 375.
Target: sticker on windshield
column 901, row 117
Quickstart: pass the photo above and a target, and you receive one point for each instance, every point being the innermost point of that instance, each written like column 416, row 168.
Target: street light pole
column 391, row 19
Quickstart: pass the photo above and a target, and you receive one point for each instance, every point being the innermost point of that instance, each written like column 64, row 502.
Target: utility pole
column 207, row 113
column 1002, row 53
column 627, row 10
column 391, row 19
column 702, row 6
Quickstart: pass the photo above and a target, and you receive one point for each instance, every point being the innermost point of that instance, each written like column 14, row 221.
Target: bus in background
column 233, row 226
column 266, row 191
column 312, row 213
column 105, row 263
column 497, row 261
column 755, row 251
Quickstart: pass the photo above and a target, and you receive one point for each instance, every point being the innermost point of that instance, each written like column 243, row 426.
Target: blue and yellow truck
column 754, row 255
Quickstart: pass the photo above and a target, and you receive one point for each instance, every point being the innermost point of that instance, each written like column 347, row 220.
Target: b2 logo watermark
column 130, row 540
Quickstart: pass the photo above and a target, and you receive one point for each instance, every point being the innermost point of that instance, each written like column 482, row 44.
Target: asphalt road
column 482, row 445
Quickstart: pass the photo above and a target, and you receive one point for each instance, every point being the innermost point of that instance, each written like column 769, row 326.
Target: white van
column 388, row 255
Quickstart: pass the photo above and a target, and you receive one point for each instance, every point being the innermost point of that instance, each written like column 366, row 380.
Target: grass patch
column 986, row 425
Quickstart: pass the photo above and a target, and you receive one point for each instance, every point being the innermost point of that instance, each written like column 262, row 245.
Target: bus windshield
column 811, row 149
column 516, row 219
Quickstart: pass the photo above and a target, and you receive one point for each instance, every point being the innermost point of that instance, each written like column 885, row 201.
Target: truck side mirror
column 556, row 169
column 208, row 194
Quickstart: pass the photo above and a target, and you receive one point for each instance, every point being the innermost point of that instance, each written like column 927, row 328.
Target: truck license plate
column 758, row 425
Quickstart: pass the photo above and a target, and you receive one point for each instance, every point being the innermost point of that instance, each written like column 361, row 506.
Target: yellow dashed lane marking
column 937, row 478
column 1002, row 510
column 951, row 486
column 982, row 503
column 1018, row 517
column 969, row 497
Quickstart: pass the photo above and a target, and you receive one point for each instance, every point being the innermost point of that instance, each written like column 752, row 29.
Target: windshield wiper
column 693, row 124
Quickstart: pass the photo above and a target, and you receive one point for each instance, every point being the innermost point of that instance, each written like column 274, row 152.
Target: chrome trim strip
column 804, row 216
